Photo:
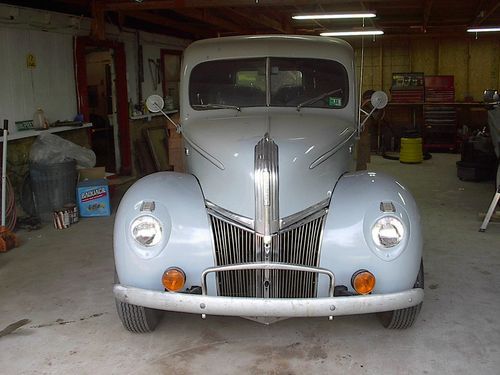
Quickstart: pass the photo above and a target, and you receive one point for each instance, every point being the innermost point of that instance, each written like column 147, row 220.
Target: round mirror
column 379, row 99
column 155, row 103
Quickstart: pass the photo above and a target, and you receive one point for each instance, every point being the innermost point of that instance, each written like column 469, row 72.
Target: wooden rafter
column 264, row 20
column 484, row 14
column 210, row 17
column 178, row 4
column 156, row 19
column 97, row 26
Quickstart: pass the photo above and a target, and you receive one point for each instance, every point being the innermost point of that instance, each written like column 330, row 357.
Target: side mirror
column 379, row 99
column 155, row 103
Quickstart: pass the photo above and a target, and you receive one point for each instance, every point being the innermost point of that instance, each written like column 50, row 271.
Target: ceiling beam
column 179, row 4
column 158, row 20
column 210, row 17
column 97, row 25
column 484, row 14
column 264, row 20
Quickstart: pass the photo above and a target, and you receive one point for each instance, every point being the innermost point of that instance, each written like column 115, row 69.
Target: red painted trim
column 121, row 91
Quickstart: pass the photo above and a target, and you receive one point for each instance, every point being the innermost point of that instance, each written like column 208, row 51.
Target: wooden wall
column 475, row 63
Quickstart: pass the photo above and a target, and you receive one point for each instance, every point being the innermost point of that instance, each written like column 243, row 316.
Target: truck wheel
column 137, row 319
column 404, row 318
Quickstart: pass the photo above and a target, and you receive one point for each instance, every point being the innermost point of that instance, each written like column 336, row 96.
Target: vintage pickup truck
column 269, row 222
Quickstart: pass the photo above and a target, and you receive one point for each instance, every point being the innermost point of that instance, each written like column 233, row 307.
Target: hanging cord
column 10, row 213
column 361, row 80
column 10, row 204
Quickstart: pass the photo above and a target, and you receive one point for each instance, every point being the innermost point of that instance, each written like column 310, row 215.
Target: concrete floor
column 62, row 281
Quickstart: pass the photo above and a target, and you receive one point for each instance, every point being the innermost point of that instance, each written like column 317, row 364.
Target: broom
column 7, row 238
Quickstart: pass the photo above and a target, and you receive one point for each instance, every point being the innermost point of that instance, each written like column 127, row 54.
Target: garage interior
column 87, row 67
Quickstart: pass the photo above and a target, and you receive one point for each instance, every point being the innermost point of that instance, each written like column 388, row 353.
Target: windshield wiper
column 216, row 106
column 319, row 97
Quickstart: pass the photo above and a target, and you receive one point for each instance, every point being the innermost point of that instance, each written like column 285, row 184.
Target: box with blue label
column 93, row 197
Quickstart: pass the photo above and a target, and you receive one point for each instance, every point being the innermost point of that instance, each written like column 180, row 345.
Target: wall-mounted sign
column 24, row 125
column 30, row 61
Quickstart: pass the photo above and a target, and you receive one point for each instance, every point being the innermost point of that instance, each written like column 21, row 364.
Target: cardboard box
column 92, row 193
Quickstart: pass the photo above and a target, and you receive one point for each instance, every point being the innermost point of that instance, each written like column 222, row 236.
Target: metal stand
column 491, row 210
column 493, row 204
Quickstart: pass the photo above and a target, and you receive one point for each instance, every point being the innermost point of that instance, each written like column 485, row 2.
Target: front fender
column 347, row 244
column 187, row 240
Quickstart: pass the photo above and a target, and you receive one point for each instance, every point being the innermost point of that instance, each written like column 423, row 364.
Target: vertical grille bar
column 297, row 245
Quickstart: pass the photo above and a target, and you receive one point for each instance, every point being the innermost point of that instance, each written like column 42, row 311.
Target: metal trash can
column 53, row 186
column 411, row 150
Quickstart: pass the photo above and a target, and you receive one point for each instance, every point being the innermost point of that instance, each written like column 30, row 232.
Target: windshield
column 291, row 82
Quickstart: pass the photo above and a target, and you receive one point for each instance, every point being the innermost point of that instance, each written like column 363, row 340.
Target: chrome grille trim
column 266, row 186
column 269, row 267
column 301, row 215
column 224, row 214
column 299, row 244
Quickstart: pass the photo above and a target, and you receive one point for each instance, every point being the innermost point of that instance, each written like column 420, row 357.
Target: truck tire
column 404, row 318
column 137, row 319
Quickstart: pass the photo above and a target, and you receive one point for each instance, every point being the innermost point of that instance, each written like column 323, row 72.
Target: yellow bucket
column 411, row 150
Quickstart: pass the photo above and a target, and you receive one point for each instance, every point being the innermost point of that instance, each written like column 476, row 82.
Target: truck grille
column 299, row 245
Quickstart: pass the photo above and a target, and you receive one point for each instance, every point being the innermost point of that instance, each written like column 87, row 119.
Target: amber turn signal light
column 173, row 279
column 363, row 281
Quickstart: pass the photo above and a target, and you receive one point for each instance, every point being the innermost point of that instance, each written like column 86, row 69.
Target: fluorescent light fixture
column 484, row 30
column 333, row 16
column 352, row 33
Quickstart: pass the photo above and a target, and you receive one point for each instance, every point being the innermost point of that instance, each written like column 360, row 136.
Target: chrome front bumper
column 268, row 307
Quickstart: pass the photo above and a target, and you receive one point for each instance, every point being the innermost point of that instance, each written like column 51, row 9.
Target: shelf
column 33, row 133
column 436, row 104
column 150, row 115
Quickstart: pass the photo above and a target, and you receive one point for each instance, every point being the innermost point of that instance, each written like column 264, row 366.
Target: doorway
column 102, row 107
column 103, row 100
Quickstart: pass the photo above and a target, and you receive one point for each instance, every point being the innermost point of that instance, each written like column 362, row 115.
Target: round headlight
column 388, row 232
column 146, row 230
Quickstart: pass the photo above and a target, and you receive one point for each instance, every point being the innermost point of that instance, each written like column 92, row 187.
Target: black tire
column 137, row 319
column 404, row 318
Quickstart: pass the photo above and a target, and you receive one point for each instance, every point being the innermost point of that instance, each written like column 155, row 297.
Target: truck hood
column 313, row 152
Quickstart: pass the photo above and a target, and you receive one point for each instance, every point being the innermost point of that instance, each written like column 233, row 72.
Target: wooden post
column 97, row 27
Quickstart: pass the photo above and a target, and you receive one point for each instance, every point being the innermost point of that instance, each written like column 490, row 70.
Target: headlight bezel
column 159, row 213
column 372, row 215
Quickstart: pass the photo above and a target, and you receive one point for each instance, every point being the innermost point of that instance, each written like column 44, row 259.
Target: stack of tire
column 479, row 162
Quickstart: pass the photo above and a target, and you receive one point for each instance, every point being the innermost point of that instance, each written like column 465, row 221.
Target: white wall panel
column 51, row 85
